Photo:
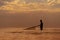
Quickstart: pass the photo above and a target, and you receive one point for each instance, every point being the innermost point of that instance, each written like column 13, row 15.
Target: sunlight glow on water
column 20, row 34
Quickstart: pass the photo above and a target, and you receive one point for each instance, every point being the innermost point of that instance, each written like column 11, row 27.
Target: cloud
column 26, row 5
column 4, row 2
column 32, row 1
column 22, row 5
column 8, row 0
column 56, row 6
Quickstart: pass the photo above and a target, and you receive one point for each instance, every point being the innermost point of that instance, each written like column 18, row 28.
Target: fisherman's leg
column 41, row 27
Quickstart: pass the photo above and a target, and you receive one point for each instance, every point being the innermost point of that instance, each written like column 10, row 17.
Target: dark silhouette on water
column 41, row 26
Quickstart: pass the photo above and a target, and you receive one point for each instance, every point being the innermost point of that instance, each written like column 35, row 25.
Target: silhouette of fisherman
column 41, row 25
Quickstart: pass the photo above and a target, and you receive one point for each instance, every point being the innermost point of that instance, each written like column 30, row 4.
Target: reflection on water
column 45, row 33
column 17, row 34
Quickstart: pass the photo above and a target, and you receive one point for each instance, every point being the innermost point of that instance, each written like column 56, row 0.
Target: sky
column 30, row 5
column 28, row 13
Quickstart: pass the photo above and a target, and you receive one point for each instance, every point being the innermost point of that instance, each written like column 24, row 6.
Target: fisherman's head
column 41, row 20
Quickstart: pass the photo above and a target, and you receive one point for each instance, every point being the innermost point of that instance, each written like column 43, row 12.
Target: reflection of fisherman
column 41, row 25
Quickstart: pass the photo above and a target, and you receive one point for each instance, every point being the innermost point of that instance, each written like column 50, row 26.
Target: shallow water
column 20, row 34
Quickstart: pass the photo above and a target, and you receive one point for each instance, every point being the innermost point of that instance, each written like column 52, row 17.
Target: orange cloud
column 17, row 5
